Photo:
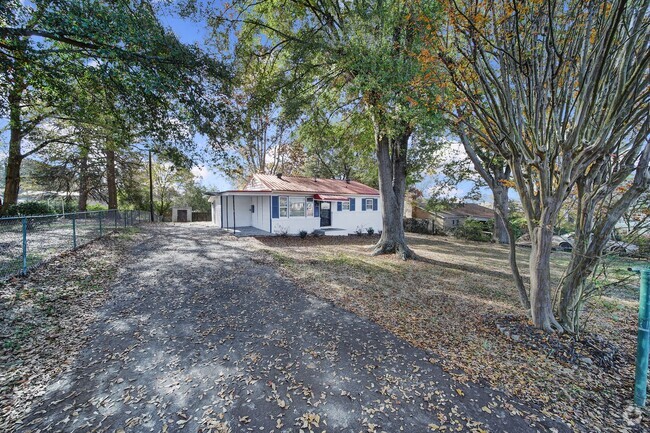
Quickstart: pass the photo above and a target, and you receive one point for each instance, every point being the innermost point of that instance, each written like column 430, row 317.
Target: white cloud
column 201, row 172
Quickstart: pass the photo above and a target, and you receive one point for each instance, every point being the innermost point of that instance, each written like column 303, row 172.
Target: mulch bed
column 583, row 350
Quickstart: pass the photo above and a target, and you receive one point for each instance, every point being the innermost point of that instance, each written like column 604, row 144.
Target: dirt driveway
column 199, row 336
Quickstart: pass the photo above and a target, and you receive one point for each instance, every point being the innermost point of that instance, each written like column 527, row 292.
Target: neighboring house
column 456, row 216
column 282, row 204
column 415, row 211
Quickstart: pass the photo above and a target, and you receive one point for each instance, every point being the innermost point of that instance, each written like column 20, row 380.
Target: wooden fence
column 424, row 226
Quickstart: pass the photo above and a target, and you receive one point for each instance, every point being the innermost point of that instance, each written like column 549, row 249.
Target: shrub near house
column 473, row 230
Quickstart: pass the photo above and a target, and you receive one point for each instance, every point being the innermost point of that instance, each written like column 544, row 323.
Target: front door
column 181, row 216
column 325, row 214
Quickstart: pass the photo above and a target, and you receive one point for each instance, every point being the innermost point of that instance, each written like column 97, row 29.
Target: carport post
column 643, row 339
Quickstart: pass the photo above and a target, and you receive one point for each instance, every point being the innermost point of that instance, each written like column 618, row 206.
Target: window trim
column 285, row 206
column 343, row 205
column 372, row 204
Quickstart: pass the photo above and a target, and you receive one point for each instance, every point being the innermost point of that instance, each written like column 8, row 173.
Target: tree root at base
column 400, row 249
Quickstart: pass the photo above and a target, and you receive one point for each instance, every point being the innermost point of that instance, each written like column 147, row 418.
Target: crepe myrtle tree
column 560, row 90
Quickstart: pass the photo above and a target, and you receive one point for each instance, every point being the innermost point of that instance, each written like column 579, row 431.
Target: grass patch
column 354, row 264
column 127, row 233
column 20, row 334
column 280, row 258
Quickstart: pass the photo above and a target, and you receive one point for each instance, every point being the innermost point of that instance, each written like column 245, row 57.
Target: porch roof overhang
column 326, row 197
column 242, row 192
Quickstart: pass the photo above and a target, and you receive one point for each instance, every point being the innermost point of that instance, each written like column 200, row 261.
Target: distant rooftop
column 469, row 210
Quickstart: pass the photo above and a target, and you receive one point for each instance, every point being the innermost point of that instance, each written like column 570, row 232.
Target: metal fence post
column 115, row 218
column 74, row 231
column 126, row 219
column 643, row 339
column 100, row 215
column 24, row 245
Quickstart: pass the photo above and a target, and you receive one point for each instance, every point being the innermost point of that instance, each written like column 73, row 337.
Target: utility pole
column 150, row 188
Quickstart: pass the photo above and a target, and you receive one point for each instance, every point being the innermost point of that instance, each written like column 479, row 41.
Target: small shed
column 182, row 214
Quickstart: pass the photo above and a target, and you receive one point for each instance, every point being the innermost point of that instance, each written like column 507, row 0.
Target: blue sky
column 192, row 32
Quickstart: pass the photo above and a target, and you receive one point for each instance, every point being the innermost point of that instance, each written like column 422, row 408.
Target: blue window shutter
column 339, row 206
column 374, row 204
column 352, row 204
column 363, row 204
column 316, row 209
column 275, row 206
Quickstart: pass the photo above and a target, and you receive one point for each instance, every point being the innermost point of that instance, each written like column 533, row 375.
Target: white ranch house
column 276, row 204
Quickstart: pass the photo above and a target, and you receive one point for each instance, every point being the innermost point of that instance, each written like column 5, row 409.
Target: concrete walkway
column 200, row 337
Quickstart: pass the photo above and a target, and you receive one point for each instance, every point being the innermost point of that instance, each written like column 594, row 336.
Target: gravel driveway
column 199, row 336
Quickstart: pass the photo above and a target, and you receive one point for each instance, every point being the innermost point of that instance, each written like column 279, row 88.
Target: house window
column 345, row 205
column 296, row 207
column 310, row 207
column 284, row 207
column 369, row 203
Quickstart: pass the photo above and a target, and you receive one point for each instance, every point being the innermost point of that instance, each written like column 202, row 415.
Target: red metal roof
column 308, row 185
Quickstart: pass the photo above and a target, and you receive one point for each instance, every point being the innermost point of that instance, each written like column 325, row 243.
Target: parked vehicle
column 559, row 243
column 621, row 247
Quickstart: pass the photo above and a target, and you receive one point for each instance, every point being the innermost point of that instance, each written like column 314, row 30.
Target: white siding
column 343, row 222
column 242, row 214
column 261, row 217
column 216, row 212
column 350, row 220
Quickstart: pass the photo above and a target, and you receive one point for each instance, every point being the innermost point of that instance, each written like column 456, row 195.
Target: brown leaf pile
column 43, row 318
column 451, row 301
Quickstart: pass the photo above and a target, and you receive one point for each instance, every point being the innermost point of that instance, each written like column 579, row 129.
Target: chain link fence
column 29, row 240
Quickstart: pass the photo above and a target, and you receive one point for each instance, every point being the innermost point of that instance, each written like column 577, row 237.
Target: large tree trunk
column 540, row 277
column 15, row 157
column 83, row 183
column 500, row 193
column 392, row 187
column 12, row 178
column 110, row 179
